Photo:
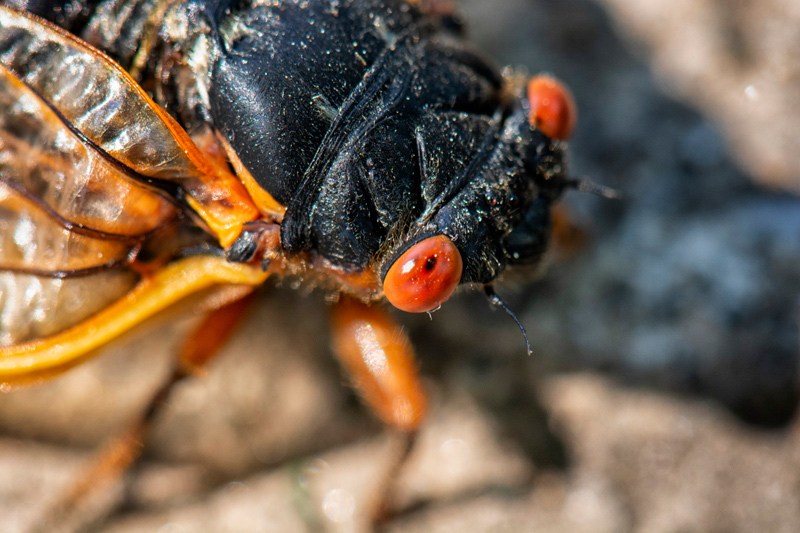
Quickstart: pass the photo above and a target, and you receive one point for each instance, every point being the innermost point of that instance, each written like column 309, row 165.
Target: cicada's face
column 495, row 216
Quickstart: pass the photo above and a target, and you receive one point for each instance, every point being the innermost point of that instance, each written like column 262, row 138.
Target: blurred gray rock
column 737, row 61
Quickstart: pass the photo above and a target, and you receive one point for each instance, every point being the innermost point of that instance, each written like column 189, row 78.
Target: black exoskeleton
column 373, row 123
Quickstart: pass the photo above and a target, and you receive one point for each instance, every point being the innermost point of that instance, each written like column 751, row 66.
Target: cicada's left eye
column 553, row 109
column 425, row 275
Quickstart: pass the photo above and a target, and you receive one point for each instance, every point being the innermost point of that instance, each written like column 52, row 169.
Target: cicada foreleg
column 379, row 358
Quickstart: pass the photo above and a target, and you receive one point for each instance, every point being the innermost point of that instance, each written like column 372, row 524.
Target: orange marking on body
column 222, row 201
column 268, row 205
column 364, row 282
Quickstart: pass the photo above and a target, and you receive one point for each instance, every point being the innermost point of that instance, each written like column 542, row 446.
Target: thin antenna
column 586, row 185
column 495, row 300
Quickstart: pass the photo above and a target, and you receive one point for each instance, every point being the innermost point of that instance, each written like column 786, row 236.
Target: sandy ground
column 662, row 392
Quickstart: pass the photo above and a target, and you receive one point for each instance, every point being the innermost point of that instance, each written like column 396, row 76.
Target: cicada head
column 487, row 208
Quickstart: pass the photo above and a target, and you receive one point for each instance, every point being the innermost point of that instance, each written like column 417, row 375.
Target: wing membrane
column 39, row 152
column 40, row 257
column 33, row 240
column 37, row 359
column 101, row 101
column 84, row 158
column 34, row 307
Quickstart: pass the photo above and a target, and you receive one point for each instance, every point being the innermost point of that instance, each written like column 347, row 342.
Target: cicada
column 153, row 151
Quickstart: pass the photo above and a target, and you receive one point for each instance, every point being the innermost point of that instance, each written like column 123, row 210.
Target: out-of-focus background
column 662, row 392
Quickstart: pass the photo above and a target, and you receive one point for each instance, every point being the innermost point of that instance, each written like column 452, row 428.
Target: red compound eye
column 553, row 109
column 424, row 276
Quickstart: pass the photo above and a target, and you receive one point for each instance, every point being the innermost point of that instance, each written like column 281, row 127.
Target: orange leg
column 116, row 457
column 435, row 7
column 378, row 356
column 569, row 237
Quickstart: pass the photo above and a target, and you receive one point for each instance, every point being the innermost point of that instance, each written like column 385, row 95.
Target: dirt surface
column 736, row 60
column 661, row 396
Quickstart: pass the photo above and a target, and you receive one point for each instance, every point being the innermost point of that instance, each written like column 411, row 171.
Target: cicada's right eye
column 553, row 109
column 425, row 276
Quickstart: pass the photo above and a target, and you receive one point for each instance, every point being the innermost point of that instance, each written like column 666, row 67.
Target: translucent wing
column 48, row 356
column 33, row 240
column 101, row 102
column 69, row 220
column 42, row 155
column 87, row 165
